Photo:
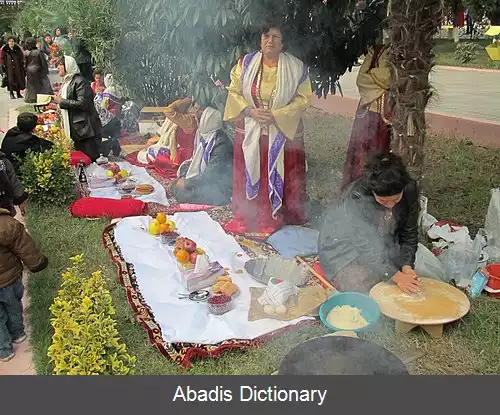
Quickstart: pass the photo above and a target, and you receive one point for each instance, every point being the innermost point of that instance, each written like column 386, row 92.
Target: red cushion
column 78, row 157
column 93, row 207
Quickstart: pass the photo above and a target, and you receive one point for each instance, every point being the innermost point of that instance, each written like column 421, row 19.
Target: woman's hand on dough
column 407, row 283
column 407, row 269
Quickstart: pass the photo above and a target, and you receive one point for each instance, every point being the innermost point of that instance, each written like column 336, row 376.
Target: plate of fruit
column 186, row 252
column 115, row 172
column 162, row 226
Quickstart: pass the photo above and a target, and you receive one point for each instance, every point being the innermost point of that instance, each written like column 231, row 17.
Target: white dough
column 281, row 310
column 346, row 318
column 269, row 309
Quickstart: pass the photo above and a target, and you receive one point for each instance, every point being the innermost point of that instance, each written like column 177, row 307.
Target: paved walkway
column 467, row 93
column 22, row 363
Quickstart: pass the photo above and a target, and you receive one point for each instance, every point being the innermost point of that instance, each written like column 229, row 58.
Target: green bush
column 466, row 52
column 86, row 340
column 48, row 177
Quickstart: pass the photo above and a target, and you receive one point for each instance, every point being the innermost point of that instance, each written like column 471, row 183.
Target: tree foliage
column 161, row 49
column 488, row 8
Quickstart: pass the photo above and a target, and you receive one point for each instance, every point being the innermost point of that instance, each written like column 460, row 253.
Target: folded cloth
column 292, row 241
column 77, row 157
column 91, row 207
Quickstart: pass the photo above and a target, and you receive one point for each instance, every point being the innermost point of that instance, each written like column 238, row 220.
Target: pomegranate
column 190, row 246
column 193, row 257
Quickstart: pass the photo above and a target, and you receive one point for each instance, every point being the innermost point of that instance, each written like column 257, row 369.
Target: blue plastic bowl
column 369, row 309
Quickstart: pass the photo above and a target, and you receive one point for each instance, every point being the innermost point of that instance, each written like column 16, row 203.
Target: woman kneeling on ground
column 80, row 118
column 208, row 179
column 372, row 234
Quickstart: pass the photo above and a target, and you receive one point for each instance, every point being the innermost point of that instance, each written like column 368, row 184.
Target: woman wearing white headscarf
column 208, row 179
column 80, row 119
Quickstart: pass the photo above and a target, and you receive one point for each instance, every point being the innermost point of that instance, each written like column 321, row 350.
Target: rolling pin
column 322, row 279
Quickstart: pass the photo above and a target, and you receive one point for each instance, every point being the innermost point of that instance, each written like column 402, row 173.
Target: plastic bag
column 425, row 220
column 461, row 260
column 277, row 293
column 492, row 226
column 428, row 266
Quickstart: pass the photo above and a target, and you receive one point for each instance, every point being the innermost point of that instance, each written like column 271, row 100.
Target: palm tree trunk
column 413, row 24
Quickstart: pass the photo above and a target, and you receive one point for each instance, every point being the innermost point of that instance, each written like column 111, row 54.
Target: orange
column 162, row 218
column 164, row 228
column 182, row 256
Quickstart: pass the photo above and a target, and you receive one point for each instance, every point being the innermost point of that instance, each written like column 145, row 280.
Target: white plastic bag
column 492, row 227
column 428, row 266
column 277, row 293
column 425, row 221
column 461, row 260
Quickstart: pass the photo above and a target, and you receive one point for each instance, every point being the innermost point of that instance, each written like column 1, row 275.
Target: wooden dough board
column 438, row 303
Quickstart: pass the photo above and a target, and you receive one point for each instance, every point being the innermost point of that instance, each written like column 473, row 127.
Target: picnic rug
column 184, row 353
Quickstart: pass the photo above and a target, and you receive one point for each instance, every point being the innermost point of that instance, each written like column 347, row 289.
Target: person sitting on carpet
column 18, row 140
column 372, row 234
column 208, row 179
column 177, row 134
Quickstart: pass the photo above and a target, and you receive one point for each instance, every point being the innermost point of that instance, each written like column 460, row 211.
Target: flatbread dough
column 346, row 318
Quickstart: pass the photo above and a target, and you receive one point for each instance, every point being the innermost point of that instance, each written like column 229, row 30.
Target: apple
column 193, row 257
column 190, row 246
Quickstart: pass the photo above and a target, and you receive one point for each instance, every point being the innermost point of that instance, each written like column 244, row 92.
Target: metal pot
column 333, row 355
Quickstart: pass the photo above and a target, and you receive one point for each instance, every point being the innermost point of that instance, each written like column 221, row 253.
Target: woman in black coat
column 80, row 118
column 372, row 234
column 13, row 65
column 37, row 71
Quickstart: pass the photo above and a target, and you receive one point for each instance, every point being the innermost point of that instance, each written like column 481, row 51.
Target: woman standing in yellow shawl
column 269, row 92
column 371, row 129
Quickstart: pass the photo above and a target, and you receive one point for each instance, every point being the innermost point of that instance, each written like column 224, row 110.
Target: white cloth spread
column 138, row 174
column 206, row 136
column 289, row 77
column 159, row 281
column 71, row 71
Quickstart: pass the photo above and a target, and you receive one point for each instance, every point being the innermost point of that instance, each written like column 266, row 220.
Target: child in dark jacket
column 20, row 139
column 16, row 248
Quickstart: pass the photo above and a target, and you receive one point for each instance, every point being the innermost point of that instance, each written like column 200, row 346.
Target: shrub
column 466, row 52
column 48, row 177
column 86, row 340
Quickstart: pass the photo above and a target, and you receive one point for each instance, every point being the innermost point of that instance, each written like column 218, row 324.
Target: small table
column 437, row 304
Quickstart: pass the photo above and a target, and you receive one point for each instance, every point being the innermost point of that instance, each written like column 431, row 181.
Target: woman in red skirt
column 371, row 128
column 269, row 92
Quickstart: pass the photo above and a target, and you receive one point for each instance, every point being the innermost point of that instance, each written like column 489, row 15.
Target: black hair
column 271, row 24
column 97, row 72
column 26, row 122
column 47, row 35
column 30, row 43
column 11, row 37
column 386, row 174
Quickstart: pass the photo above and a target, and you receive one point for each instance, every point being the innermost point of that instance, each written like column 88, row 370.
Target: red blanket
column 91, row 207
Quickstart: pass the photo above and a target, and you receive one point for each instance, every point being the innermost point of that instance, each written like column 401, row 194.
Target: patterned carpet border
column 181, row 353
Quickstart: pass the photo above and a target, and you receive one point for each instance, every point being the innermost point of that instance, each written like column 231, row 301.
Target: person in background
column 208, row 176
column 98, row 82
column 270, row 91
column 20, row 139
column 111, row 126
column 371, row 234
column 13, row 65
column 113, row 98
column 82, row 57
column 61, row 39
column 16, row 248
column 37, row 71
column 371, row 129
column 45, row 48
column 80, row 119
column 176, row 138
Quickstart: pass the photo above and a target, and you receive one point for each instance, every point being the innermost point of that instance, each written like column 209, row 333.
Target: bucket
column 493, row 271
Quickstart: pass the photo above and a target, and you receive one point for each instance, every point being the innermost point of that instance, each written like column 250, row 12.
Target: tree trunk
column 413, row 24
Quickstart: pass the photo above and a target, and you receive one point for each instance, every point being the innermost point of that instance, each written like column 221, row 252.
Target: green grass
column 459, row 178
column 445, row 55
